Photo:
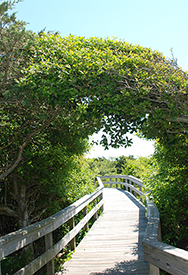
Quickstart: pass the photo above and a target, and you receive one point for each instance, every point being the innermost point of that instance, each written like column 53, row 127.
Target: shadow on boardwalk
column 130, row 267
column 126, row 267
column 114, row 243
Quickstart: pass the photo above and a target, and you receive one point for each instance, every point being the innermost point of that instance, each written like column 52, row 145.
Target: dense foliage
column 165, row 182
column 112, row 166
column 56, row 91
column 40, row 141
column 106, row 83
column 168, row 186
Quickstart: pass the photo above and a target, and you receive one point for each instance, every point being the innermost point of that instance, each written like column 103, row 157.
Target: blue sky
column 158, row 24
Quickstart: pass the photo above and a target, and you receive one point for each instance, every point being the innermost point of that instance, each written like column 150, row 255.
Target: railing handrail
column 159, row 255
column 130, row 183
column 101, row 185
column 21, row 238
column 167, row 257
column 126, row 177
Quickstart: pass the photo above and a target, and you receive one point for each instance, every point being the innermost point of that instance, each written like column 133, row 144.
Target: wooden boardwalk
column 113, row 245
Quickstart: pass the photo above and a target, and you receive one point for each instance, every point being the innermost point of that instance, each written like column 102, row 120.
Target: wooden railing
column 130, row 183
column 159, row 255
column 23, row 237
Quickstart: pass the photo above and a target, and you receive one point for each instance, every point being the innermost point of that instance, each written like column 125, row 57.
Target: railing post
column 85, row 214
column 48, row 245
column 134, row 184
column 95, row 215
column 123, row 186
column 73, row 241
column 101, row 197
column 116, row 183
column 140, row 188
column 154, row 270
column 130, row 186
column 159, row 232
column 126, row 185
column 110, row 183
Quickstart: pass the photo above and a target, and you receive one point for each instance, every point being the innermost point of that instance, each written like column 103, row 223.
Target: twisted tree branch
column 25, row 143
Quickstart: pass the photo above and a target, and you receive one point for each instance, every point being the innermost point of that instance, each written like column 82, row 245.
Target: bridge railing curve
column 159, row 255
column 16, row 240
column 127, row 182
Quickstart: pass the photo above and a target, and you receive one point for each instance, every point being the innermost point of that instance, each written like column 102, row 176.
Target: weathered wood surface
column 114, row 243
column 18, row 239
column 158, row 254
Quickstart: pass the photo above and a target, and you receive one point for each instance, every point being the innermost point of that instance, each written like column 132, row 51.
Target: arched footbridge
column 124, row 239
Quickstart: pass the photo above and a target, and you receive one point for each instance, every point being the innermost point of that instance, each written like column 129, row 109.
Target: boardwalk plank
column 114, row 243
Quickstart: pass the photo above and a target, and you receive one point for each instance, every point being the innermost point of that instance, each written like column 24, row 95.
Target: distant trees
column 102, row 166
column 121, row 165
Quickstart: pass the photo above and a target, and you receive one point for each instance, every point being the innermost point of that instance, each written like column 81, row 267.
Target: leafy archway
column 56, row 91
column 88, row 84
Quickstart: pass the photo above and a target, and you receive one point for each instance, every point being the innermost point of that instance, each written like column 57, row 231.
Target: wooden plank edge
column 20, row 238
column 168, row 258
column 38, row 263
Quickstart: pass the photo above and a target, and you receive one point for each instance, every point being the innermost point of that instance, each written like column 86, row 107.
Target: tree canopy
column 96, row 83
column 57, row 91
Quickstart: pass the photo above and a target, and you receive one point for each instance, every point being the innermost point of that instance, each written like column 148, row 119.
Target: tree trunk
column 22, row 207
column 23, row 216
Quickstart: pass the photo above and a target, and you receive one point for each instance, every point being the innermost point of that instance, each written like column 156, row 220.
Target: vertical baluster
column 101, row 197
column 140, row 188
column 48, row 245
column 134, row 193
column 73, row 241
column 85, row 214
column 129, row 185
column 130, row 188
column 121, row 185
column 95, row 215
column 116, row 183
column 154, row 270
column 126, row 185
